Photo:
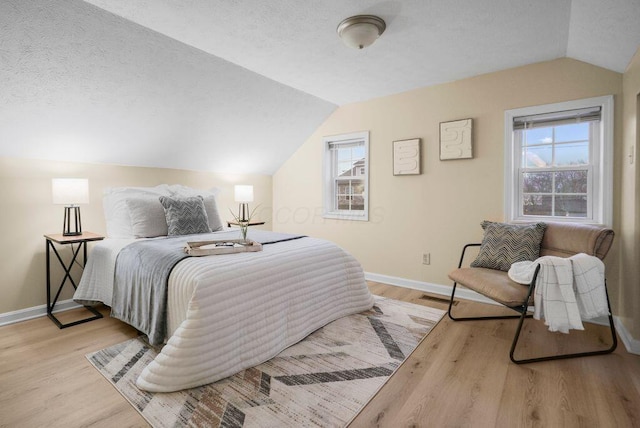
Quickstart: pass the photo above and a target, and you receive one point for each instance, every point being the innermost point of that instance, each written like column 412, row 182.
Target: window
column 346, row 176
column 558, row 162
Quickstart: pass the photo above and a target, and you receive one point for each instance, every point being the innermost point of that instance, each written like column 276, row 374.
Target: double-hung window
column 559, row 162
column 346, row 176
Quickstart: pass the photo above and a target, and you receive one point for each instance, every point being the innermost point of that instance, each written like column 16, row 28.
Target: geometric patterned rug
column 322, row 381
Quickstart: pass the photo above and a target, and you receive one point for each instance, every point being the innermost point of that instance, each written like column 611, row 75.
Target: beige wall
column 27, row 213
column 629, row 299
column 435, row 212
column 440, row 210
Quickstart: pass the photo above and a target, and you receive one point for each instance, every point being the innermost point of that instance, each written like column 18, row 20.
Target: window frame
column 329, row 189
column 600, row 184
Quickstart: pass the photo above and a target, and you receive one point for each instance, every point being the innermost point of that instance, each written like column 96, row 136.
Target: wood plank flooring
column 460, row 375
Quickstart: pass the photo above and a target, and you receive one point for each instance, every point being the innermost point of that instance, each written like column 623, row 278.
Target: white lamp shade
column 70, row 191
column 243, row 193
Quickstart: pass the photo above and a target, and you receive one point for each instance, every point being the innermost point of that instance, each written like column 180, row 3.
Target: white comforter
column 230, row 312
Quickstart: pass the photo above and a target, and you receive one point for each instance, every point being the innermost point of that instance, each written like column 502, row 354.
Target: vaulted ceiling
column 239, row 85
column 426, row 41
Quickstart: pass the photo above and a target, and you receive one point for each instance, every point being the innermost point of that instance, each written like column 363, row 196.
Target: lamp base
column 243, row 212
column 69, row 212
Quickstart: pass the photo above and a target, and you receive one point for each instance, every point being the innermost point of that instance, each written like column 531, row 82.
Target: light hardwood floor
column 460, row 375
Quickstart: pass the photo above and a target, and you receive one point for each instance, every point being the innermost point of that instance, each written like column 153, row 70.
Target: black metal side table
column 252, row 223
column 60, row 239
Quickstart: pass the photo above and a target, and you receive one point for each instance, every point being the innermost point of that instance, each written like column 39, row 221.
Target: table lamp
column 70, row 192
column 243, row 195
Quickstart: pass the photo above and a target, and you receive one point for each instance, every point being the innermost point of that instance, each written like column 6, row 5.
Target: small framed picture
column 406, row 157
column 455, row 139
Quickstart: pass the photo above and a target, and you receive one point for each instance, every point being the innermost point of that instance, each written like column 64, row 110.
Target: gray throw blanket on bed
column 142, row 274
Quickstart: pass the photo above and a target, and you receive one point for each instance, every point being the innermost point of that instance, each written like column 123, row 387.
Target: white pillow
column 210, row 202
column 116, row 211
column 148, row 219
column 211, row 207
column 186, row 191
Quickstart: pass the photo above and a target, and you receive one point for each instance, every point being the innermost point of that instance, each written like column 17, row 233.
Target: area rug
column 322, row 381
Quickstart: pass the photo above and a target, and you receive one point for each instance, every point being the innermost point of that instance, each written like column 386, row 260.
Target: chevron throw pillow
column 185, row 216
column 504, row 244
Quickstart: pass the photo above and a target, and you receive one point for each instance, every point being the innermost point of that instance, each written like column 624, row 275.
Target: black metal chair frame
column 523, row 309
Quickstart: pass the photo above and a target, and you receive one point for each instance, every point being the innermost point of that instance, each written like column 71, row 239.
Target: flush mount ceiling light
column 360, row 31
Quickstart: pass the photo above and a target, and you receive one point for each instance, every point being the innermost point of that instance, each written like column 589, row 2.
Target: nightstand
column 251, row 223
column 60, row 239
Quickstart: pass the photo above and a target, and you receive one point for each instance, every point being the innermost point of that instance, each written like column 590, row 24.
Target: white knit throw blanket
column 567, row 291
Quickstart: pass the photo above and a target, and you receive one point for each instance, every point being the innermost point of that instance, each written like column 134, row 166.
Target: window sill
column 346, row 216
column 554, row 220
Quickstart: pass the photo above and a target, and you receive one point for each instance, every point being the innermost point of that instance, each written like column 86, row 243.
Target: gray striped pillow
column 185, row 216
column 504, row 244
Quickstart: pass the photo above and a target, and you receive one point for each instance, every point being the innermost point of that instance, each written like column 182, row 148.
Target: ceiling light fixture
column 360, row 31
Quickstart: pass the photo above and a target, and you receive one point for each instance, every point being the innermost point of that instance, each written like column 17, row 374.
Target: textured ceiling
column 81, row 84
column 426, row 42
column 238, row 85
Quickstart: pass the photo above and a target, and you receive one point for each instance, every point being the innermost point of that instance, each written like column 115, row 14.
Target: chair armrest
column 464, row 250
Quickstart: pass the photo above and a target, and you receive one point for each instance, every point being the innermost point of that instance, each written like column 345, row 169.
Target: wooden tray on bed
column 223, row 246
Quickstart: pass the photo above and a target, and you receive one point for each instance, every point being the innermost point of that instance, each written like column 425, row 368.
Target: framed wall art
column 406, row 157
column 455, row 139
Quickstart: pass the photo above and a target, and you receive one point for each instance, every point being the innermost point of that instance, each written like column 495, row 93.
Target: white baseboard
column 35, row 312
column 632, row 345
column 428, row 287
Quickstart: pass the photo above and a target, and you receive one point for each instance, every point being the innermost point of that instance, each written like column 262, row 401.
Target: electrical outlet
column 426, row 258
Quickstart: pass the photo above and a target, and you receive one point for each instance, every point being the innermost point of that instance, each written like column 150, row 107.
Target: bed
column 225, row 313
